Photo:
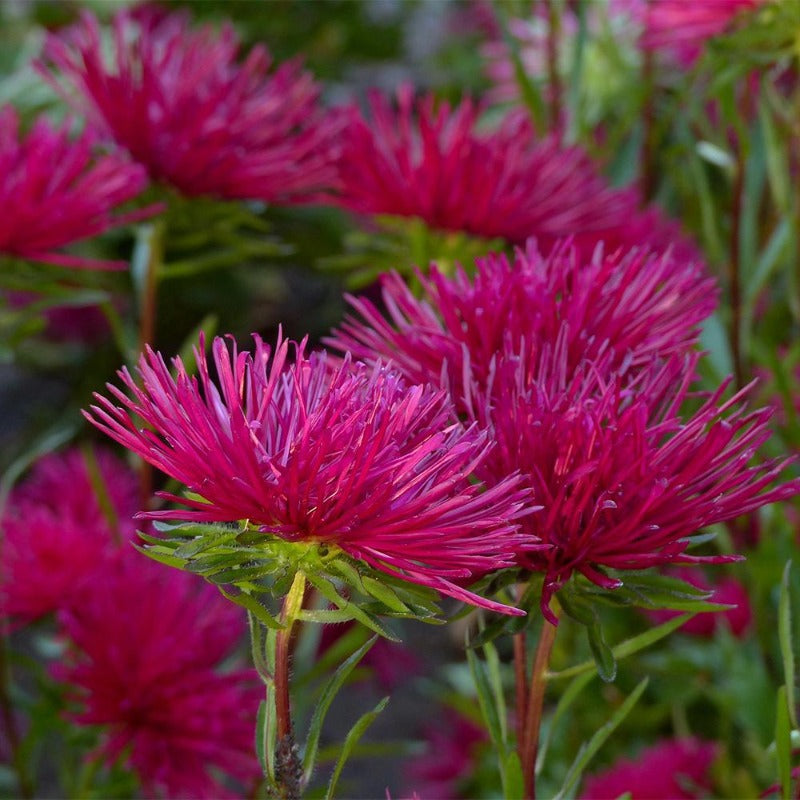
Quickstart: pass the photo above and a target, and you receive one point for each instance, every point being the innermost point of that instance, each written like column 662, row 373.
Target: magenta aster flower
column 55, row 191
column 642, row 305
column 676, row 769
column 682, row 28
column 434, row 163
column 176, row 98
column 625, row 479
column 349, row 456
column 55, row 536
column 149, row 674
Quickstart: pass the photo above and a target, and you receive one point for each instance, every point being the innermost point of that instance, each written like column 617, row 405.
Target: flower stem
column 646, row 155
column 288, row 768
column 734, row 272
column 553, row 75
column 148, row 258
column 535, row 704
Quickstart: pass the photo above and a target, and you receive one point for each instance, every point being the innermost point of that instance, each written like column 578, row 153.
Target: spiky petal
column 437, row 164
column 640, row 304
column 56, row 190
column 349, row 455
column 177, row 99
column 624, row 476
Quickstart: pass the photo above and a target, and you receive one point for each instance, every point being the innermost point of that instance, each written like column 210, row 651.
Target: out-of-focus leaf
column 588, row 749
column 356, row 732
column 785, row 639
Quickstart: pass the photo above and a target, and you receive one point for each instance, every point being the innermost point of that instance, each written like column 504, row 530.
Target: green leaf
column 785, row 639
column 328, row 591
column 486, row 699
column 329, row 692
column 261, row 738
column 564, row 702
column 578, row 606
column 384, row 593
column 783, row 743
column 590, row 748
column 254, row 607
column 356, row 732
column 627, row 648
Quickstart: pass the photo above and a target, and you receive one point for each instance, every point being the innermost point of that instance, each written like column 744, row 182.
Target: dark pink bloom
column 728, row 591
column 143, row 656
column 434, row 163
column 676, row 769
column 579, row 372
column 682, row 28
column 55, row 537
column 175, row 97
column 350, row 456
column 623, row 477
column 641, row 305
column 449, row 760
column 56, row 190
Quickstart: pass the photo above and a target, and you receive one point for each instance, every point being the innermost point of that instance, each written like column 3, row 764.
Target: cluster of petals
column 681, row 28
column 347, row 455
column 56, row 190
column 579, row 370
column 56, row 535
column 674, row 769
column 646, row 304
column 433, row 162
column 624, row 478
column 178, row 101
column 149, row 674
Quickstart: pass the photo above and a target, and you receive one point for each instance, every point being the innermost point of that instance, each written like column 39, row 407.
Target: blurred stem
column 288, row 767
column 535, row 704
column 520, row 677
column 10, row 725
column 734, row 279
column 553, row 75
column 151, row 244
column 646, row 165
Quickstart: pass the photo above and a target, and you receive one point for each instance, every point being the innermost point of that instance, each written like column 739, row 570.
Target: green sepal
column 580, row 609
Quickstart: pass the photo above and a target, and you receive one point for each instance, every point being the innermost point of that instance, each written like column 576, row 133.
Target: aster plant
column 321, row 474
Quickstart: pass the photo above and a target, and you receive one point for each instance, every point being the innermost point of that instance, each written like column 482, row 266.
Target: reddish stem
column 533, row 715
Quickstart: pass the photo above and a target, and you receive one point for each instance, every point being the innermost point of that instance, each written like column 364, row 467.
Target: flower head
column 434, row 163
column 56, row 537
column 347, row 456
column 640, row 304
column 682, row 28
column 176, row 98
column 624, row 476
column 670, row 770
column 56, row 190
column 149, row 674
